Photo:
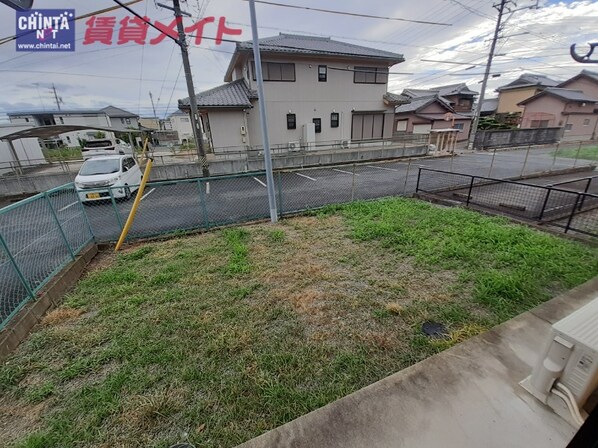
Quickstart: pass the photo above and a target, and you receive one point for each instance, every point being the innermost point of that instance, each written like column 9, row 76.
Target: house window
column 318, row 123
column 334, row 119
column 401, row 126
column 539, row 123
column 370, row 75
column 586, row 122
column 128, row 120
column 68, row 139
column 568, row 126
column 291, row 121
column 184, row 120
column 122, row 120
column 458, row 126
column 276, row 71
column 322, row 73
column 26, row 120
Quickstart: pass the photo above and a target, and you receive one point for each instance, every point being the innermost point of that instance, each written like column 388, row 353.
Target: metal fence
column 573, row 209
column 38, row 237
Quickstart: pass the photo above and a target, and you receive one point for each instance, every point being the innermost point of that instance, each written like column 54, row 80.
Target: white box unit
column 345, row 144
column 294, row 146
column 308, row 135
column 570, row 359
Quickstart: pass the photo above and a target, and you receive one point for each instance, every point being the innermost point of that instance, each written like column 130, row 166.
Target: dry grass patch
column 61, row 315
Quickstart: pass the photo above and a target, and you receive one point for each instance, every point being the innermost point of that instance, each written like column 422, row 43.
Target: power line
column 347, row 13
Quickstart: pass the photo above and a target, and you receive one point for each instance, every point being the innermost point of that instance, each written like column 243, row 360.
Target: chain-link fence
column 38, row 237
column 572, row 209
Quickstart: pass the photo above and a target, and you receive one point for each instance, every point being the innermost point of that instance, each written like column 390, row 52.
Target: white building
column 27, row 151
column 319, row 92
column 181, row 123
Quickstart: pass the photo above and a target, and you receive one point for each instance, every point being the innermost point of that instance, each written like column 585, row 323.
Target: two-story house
column 442, row 107
column 573, row 110
column 107, row 117
column 319, row 92
column 524, row 87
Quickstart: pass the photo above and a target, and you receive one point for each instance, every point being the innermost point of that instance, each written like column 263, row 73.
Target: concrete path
column 468, row 396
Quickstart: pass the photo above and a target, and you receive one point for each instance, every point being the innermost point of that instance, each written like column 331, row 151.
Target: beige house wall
column 308, row 98
column 508, row 99
column 225, row 130
column 590, row 88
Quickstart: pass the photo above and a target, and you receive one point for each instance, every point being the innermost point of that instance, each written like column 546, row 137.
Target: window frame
column 459, row 126
column 317, row 124
column 373, row 73
column 568, row 127
column 335, row 119
column 266, row 71
column 322, row 77
column 292, row 125
column 586, row 122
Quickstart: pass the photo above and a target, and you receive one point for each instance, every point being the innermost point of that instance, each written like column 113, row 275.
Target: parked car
column 99, row 175
column 105, row 147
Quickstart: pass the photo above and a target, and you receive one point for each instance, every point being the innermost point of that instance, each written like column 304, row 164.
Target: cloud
column 542, row 49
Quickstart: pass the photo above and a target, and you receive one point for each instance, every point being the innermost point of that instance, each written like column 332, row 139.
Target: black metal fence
column 570, row 206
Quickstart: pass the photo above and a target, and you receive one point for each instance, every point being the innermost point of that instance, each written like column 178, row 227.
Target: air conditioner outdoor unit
column 567, row 372
column 294, row 146
column 345, row 144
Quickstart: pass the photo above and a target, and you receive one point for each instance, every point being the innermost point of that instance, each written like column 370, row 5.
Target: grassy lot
column 587, row 153
column 57, row 155
column 225, row 335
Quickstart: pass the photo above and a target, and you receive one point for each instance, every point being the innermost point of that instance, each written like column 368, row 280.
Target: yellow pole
column 144, row 148
column 133, row 211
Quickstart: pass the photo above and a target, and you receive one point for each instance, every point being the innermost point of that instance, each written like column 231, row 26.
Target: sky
column 95, row 75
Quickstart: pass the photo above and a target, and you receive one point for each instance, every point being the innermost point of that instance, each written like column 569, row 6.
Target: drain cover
column 434, row 330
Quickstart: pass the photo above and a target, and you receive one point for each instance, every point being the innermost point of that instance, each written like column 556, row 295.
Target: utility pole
column 476, row 119
column 58, row 100
column 154, row 109
column 262, row 105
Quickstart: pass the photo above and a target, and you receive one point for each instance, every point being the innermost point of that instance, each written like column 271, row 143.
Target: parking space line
column 307, row 177
column 67, row 206
column 381, row 168
column 147, row 194
column 261, row 183
column 344, row 172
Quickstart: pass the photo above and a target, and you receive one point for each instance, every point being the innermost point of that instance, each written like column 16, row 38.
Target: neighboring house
column 573, row 110
column 512, row 94
column 150, row 123
column 443, row 107
column 319, row 92
column 586, row 81
column 180, row 123
column 108, row 117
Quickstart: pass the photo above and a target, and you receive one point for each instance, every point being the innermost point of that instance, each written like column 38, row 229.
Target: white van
column 105, row 147
column 100, row 174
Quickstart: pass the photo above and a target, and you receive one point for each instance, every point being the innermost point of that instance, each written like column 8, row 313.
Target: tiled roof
column 453, row 89
column 589, row 74
column 299, row 44
column 112, row 111
column 490, row 105
column 232, row 94
column 394, row 98
column 529, row 80
column 566, row 94
column 415, row 104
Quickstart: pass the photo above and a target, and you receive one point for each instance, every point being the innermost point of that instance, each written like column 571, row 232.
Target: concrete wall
column 517, row 137
column 308, row 98
column 508, row 99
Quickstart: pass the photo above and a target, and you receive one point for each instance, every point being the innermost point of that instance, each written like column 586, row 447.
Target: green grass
column 60, row 154
column 587, row 153
column 225, row 335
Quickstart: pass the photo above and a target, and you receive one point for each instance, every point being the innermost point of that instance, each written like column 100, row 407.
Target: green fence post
column 116, row 212
column 279, row 194
column 60, row 229
column 202, row 201
column 16, row 268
